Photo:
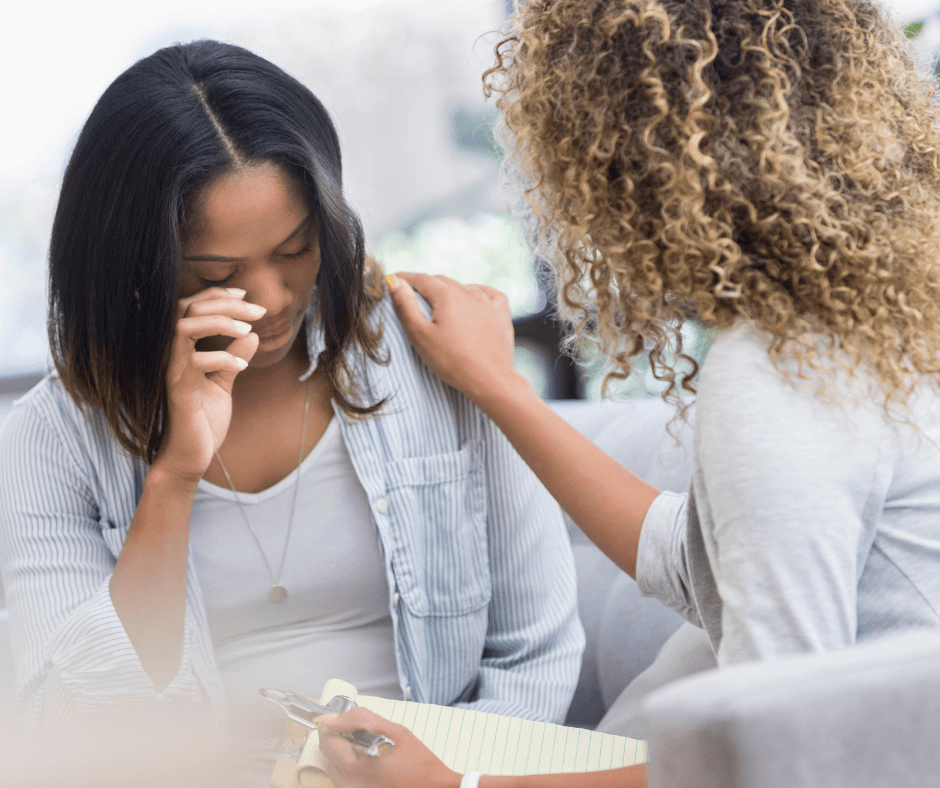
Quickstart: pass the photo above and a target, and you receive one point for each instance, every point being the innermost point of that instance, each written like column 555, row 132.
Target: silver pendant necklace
column 277, row 593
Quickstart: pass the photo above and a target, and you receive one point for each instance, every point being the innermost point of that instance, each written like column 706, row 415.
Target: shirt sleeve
column 662, row 567
column 71, row 652
column 534, row 642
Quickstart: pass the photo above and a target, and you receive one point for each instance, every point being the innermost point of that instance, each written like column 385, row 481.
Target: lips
column 274, row 333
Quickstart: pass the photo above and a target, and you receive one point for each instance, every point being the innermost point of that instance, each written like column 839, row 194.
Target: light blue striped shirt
column 478, row 563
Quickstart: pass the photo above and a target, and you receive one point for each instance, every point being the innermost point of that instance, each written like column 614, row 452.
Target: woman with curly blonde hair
column 770, row 169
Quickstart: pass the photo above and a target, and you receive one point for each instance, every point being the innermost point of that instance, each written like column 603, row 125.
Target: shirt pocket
column 440, row 557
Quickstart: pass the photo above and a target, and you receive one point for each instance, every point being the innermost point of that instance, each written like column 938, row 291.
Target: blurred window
column 402, row 80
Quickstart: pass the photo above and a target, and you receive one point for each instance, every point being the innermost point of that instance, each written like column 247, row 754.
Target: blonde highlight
column 771, row 160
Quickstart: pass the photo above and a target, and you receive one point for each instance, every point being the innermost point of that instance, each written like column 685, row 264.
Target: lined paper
column 476, row 741
column 468, row 741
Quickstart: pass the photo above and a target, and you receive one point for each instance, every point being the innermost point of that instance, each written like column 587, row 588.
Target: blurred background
column 401, row 79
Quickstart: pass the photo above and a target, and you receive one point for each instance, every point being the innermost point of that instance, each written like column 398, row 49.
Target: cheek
column 189, row 286
column 302, row 283
column 307, row 280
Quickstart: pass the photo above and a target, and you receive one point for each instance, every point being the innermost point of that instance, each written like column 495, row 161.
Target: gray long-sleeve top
column 809, row 525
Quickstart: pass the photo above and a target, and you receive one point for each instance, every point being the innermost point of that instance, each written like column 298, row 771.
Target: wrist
column 498, row 395
column 170, row 481
column 470, row 780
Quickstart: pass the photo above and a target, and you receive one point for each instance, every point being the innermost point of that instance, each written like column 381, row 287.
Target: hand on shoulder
column 468, row 341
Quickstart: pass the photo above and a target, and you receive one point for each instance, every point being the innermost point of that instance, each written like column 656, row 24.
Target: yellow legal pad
column 468, row 741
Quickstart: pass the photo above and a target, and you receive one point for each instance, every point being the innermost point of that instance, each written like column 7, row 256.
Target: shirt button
column 408, row 692
column 381, row 506
column 395, row 597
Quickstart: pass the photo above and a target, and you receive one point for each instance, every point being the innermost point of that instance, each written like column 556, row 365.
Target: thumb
column 405, row 302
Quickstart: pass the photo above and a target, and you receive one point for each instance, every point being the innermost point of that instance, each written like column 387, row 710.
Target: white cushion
column 624, row 630
column 687, row 652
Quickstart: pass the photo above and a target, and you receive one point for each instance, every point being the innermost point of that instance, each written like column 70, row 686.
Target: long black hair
column 161, row 132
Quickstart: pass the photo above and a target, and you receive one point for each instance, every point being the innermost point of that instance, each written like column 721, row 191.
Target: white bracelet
column 470, row 780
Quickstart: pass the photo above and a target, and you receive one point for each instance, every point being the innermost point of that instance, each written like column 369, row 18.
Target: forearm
column 607, row 501
column 148, row 586
column 628, row 777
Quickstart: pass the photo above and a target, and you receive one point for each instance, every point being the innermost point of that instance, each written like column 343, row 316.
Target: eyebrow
column 214, row 258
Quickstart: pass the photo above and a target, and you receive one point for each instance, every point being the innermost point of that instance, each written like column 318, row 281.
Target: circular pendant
column 277, row 593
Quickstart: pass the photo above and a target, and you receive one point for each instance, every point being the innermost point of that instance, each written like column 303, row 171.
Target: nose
column 266, row 286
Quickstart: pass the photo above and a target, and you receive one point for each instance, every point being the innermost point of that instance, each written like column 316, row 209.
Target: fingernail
column 241, row 363
column 236, row 291
column 257, row 310
column 392, row 281
column 242, row 326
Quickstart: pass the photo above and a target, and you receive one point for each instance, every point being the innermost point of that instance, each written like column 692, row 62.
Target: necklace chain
column 277, row 593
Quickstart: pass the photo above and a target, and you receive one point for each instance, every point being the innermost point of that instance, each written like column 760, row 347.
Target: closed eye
column 300, row 253
column 207, row 283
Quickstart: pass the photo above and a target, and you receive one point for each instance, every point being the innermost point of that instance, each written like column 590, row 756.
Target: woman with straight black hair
column 240, row 474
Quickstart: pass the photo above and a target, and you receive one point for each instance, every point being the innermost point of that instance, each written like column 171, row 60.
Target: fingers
column 234, row 308
column 442, row 293
column 349, row 767
column 191, row 329
column 338, row 751
column 218, row 361
column 431, row 287
column 497, row 296
column 408, row 309
column 196, row 328
column 468, row 340
column 341, row 756
column 438, row 286
column 224, row 365
column 220, row 301
column 214, row 312
column 340, row 760
column 357, row 719
column 244, row 347
column 209, row 294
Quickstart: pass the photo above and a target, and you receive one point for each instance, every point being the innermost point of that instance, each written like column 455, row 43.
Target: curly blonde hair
column 772, row 160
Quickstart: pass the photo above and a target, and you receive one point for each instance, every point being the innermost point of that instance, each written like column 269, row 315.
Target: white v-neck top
column 474, row 550
column 335, row 622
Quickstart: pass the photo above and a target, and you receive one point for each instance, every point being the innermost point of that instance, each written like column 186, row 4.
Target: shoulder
column 750, row 409
column 738, row 376
column 393, row 333
column 739, row 370
column 415, row 395
column 738, row 382
column 47, row 419
column 46, row 407
column 739, row 356
column 405, row 366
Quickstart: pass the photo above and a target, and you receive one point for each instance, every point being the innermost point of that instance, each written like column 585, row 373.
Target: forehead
column 258, row 202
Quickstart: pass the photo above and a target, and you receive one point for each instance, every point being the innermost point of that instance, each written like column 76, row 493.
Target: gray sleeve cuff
column 662, row 570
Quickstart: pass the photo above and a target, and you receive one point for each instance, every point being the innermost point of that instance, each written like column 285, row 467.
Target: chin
column 263, row 359
column 268, row 357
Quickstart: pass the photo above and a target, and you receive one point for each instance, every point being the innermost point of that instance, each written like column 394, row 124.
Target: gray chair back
column 865, row 716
